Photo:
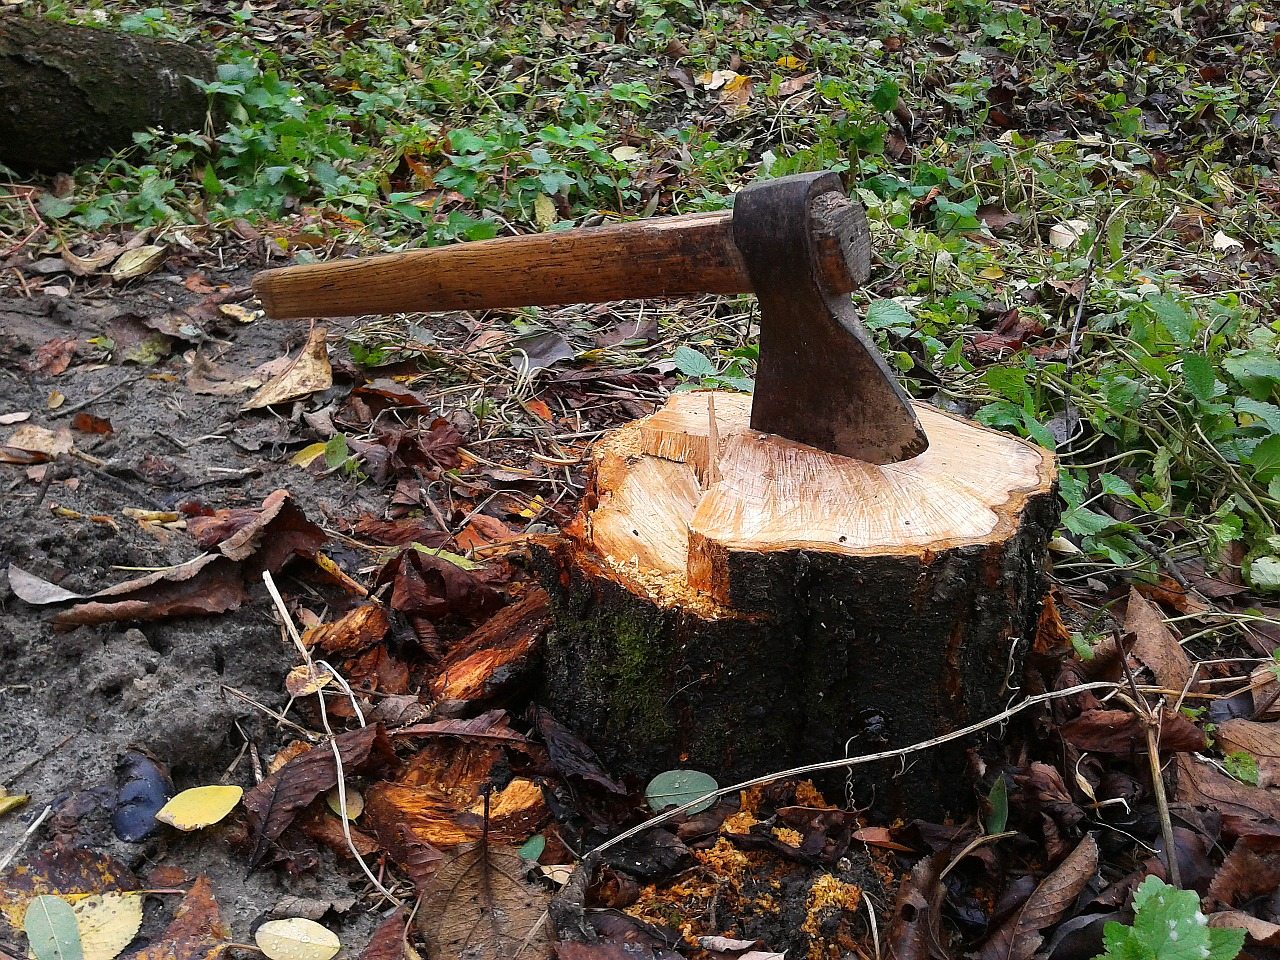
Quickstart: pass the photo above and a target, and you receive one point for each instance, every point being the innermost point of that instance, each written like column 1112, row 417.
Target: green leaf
column 1264, row 573
column 532, row 848
column 1265, row 458
column 1118, row 487
column 1260, row 412
column 693, row 363
column 888, row 314
column 998, row 818
column 885, row 97
column 336, row 452
column 1174, row 316
column 675, row 788
column 1242, row 766
column 1197, row 371
column 1084, row 522
column 52, row 932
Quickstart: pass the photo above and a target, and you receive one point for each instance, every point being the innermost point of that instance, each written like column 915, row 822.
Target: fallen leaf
column 1260, row 740
column 84, row 422
column 51, row 929
column 443, row 815
column 108, row 922
column 196, row 931
column 570, row 756
column 1122, row 731
column 275, row 802
column 1020, row 936
column 41, row 440
column 916, row 922
column 1262, row 932
column 308, row 454
column 36, row 590
column 239, row 313
column 144, row 788
column 309, row 373
column 544, row 211
column 1155, row 645
column 793, row 85
column 1241, row 805
column 296, row 938
column 1222, row 242
column 624, row 153
column 60, row 871
column 1065, row 235
column 389, row 939
column 7, row 419
column 137, row 262
column 1250, row 870
column 54, row 356
column 84, row 266
column 355, row 802
column 306, row 679
column 200, row 807
column 492, row 725
column 479, row 907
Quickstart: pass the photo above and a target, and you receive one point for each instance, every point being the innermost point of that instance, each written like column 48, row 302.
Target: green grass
column 1145, row 353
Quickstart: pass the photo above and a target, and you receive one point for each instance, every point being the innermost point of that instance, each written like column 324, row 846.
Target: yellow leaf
column 310, row 372
column 536, row 506
column 355, row 803
column 789, row 63
column 991, row 273
column 544, row 211
column 624, row 153
column 200, row 807
column 308, row 455
column 138, row 262
column 306, row 679
column 11, row 801
column 237, row 312
column 296, row 939
column 108, row 923
column 736, row 83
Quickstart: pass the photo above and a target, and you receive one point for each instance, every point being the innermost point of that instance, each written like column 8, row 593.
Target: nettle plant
column 1168, row 925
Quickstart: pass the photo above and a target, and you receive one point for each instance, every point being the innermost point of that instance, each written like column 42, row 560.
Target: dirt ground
column 73, row 702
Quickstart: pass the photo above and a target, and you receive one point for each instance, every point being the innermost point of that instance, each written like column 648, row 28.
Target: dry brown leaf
column 1240, row 804
column 1259, row 931
column 479, row 907
column 309, row 373
column 196, row 931
column 1251, row 869
column 36, row 590
column 914, row 933
column 1020, row 936
column 1260, row 740
column 275, row 802
column 388, row 940
column 441, row 818
column 83, row 266
column 138, row 262
column 1156, row 646
column 1266, row 691
column 34, row 439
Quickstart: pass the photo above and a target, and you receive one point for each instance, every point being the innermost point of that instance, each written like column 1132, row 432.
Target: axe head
column 820, row 379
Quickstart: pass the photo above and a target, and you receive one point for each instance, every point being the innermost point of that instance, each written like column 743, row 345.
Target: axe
column 799, row 243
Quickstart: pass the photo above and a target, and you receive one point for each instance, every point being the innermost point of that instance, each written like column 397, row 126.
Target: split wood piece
column 740, row 603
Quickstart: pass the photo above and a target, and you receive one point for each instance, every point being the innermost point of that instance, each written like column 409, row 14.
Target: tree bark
column 70, row 94
column 738, row 603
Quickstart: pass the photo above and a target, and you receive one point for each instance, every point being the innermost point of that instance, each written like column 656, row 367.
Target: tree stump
column 69, row 94
column 739, row 603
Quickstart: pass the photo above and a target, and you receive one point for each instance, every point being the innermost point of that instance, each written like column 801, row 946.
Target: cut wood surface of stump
column 739, row 603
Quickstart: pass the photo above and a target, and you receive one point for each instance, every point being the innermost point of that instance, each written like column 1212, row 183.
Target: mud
column 71, row 703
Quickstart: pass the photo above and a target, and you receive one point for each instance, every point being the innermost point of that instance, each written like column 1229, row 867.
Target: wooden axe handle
column 661, row 257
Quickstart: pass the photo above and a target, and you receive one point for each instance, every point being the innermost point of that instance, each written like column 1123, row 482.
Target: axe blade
column 820, row 379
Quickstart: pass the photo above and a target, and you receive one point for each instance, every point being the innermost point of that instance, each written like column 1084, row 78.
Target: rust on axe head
column 799, row 243
column 820, row 378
